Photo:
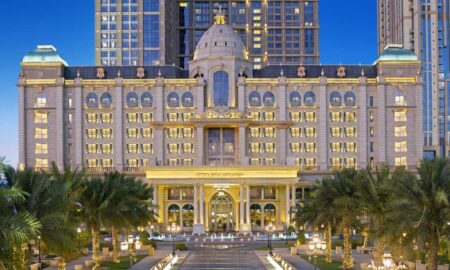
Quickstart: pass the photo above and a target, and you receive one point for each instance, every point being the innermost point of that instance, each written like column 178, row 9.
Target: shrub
column 301, row 239
column 152, row 243
column 181, row 246
column 144, row 238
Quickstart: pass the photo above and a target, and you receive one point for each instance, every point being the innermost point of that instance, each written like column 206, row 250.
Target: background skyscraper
column 423, row 26
column 149, row 32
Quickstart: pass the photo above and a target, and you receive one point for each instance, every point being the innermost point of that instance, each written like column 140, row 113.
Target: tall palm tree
column 427, row 202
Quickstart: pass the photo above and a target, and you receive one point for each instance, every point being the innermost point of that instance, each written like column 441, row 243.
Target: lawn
column 124, row 263
column 273, row 246
column 322, row 264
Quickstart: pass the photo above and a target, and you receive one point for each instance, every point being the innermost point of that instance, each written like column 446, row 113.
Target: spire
column 220, row 16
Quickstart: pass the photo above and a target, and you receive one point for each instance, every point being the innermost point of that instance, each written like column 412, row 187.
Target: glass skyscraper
column 423, row 26
column 148, row 32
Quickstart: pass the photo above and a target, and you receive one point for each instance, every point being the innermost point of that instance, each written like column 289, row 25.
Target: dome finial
column 220, row 16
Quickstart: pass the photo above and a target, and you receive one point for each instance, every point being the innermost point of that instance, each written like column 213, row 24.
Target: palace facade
column 225, row 146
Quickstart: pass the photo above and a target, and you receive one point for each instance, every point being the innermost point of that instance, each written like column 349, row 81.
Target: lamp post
column 78, row 236
column 269, row 229
column 388, row 263
column 130, row 245
column 173, row 229
column 285, row 233
column 39, row 248
column 315, row 248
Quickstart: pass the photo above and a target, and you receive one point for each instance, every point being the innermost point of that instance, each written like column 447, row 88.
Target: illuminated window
column 269, row 116
column 310, row 132
column 106, row 118
column 310, row 116
column 335, row 163
column 106, row 100
column 400, row 131
column 269, row 132
column 295, row 147
column 350, row 147
column 401, row 146
column 335, row 147
column 106, row 148
column 106, row 163
column 254, row 147
column 147, row 99
column 172, row 132
column 401, row 161
column 91, row 148
column 335, row 117
column 91, row 163
column 69, row 118
column 254, row 99
column 350, row 131
column 269, row 99
column 255, row 116
column 188, row 148
column 335, row 99
column 335, row 131
column 40, row 133
column 132, row 117
column 91, row 133
column 147, row 117
column 220, row 88
column 147, row 148
column 298, row 161
column 133, row 162
column 310, row 147
column 295, row 132
column 371, row 116
column 187, row 116
column 144, row 162
column 269, row 147
column 173, row 100
column 350, row 116
column 295, row 116
column 188, row 132
column 295, row 99
column 132, row 148
column 41, row 118
column 269, row 161
column 350, row 99
column 106, row 133
column 400, row 99
column 172, row 161
column 310, row 164
column 188, row 161
column 147, row 133
column 132, row 99
column 400, row 116
column 350, row 162
column 187, row 99
column 91, row 118
column 41, row 163
column 41, row 148
column 254, row 132
column 92, row 100
column 41, row 100
column 172, row 148
column 132, row 132
column 172, row 117
column 254, row 161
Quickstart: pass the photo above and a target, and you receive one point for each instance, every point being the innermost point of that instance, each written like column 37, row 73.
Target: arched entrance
column 221, row 216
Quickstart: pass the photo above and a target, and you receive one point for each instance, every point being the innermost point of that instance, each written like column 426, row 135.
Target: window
column 132, row 99
column 335, row 132
column 69, row 118
column 106, row 163
column 350, row 99
column 254, row 99
column 41, row 163
column 147, row 99
column 91, row 118
column 106, row 117
column 172, row 148
column 400, row 131
column 295, row 132
column 350, row 131
column 188, row 148
column 147, row 133
column 335, row 99
column 70, row 102
column 188, row 215
column 91, row 148
column 295, row 100
column 310, row 164
column 269, row 132
column 350, row 147
column 269, row 214
column 335, row 163
column 106, row 100
column 401, row 161
column 174, row 211
column 91, row 163
column 172, row 117
column 132, row 148
column 310, row 132
column 132, row 132
column 106, row 148
column 91, row 133
column 41, row 100
column 133, row 162
column 254, row 132
column 350, row 116
column 400, row 116
column 310, row 147
column 309, row 99
column 40, row 133
column 147, row 148
column 106, row 133
column 254, row 147
column 132, row 117
column 295, row 116
column 269, row 99
column 295, row 147
column 41, row 118
column 350, row 162
column 187, row 99
column 172, row 132
column 41, row 148
column 335, row 147
column 371, row 101
column 255, row 215
column 269, row 147
column 401, row 146
column 187, row 116
column 147, row 117
column 92, row 100
column 188, row 132
column 269, row 116
column 173, row 100
column 400, row 99
column 221, row 85
column 335, row 117
column 310, row 117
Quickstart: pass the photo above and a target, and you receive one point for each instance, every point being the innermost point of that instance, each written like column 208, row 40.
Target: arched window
column 187, row 99
column 400, row 99
column 335, row 99
column 173, row 100
column 41, row 100
column 173, row 215
column 254, row 99
column 350, row 99
column 295, row 99
column 309, row 98
column 132, row 99
column 147, row 99
column 188, row 215
column 255, row 214
column 220, row 85
column 269, row 99
column 92, row 100
column 269, row 214
column 106, row 100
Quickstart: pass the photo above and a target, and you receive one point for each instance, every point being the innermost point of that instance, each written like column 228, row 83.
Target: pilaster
column 362, row 129
column 22, row 125
column 78, row 102
column 59, row 96
column 381, row 121
column 241, row 94
column 118, row 117
column 323, row 124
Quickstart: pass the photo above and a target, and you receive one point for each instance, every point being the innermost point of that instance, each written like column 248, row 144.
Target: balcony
column 100, row 169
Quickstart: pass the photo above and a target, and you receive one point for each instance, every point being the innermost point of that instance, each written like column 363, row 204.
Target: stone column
column 243, row 146
column 79, row 134
column 200, row 95
column 323, row 125
column 22, row 125
column 241, row 94
column 159, row 117
column 288, row 205
column 59, row 140
column 247, row 208
column 381, row 121
column 195, row 204
column 200, row 147
column 241, row 205
column 159, row 99
column 202, row 205
column 362, row 129
column 118, row 122
column 294, row 196
column 155, row 199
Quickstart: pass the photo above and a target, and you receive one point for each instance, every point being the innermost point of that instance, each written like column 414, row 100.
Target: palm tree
column 427, row 202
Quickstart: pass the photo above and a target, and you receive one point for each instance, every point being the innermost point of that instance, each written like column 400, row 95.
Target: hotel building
column 226, row 147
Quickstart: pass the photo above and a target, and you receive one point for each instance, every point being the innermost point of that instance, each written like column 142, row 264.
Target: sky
column 348, row 35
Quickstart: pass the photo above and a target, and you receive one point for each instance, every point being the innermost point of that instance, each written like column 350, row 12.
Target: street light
column 388, row 264
column 269, row 229
column 315, row 248
column 130, row 245
column 78, row 236
column 39, row 248
column 173, row 229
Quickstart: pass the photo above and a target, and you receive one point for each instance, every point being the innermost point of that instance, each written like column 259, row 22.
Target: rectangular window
column 40, row 133
column 187, row 116
column 371, row 101
column 132, row 148
column 254, row 147
column 371, row 116
column 295, row 116
column 147, row 148
column 188, row 132
column 172, row 117
column 310, row 164
column 335, row 132
column 254, row 161
column 335, row 117
column 188, row 148
column 310, row 147
column 269, row 147
column 295, row 147
column 350, row 131
column 350, row 162
column 269, row 116
column 107, row 163
column 401, row 161
column 91, row 118
column 69, row 118
column 132, row 117
column 106, row 118
column 254, row 132
column 269, row 161
column 172, row 132
column 401, row 146
column 91, row 163
column 41, row 148
column 106, row 148
column 371, row 131
column 172, row 148
column 335, row 147
column 106, row 133
column 147, row 133
column 269, row 132
column 255, row 116
column 350, row 116
column 147, row 117
column 335, row 163
column 295, row 132
column 41, row 118
column 310, row 117
column 133, row 162
column 350, row 147
column 310, row 132
column 91, row 133
column 400, row 116
column 188, row 161
column 91, row 148
column 172, row 161
column 41, row 163
column 132, row 132
column 70, row 102
column 400, row 131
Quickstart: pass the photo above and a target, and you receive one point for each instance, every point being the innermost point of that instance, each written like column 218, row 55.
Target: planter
column 293, row 251
column 78, row 267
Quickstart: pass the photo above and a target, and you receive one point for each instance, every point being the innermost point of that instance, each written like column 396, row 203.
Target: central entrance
column 221, row 212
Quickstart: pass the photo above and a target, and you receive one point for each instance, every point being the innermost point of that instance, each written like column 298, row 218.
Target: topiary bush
column 181, row 246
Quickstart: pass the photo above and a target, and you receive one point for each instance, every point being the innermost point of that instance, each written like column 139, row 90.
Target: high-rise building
column 423, row 26
column 149, row 32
